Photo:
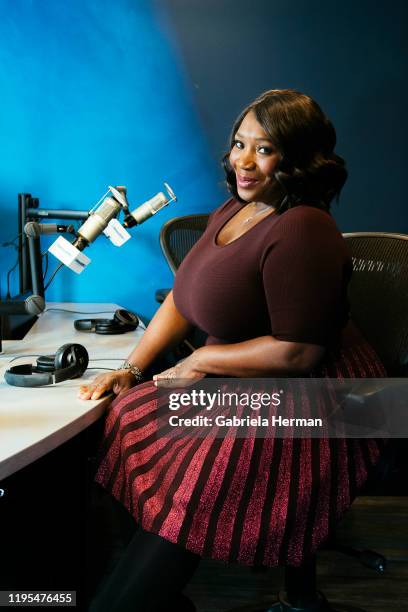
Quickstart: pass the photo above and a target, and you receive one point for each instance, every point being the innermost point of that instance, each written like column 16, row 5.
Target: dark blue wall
column 98, row 92
column 351, row 56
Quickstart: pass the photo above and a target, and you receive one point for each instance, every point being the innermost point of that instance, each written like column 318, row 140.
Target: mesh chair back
column 378, row 295
column 178, row 235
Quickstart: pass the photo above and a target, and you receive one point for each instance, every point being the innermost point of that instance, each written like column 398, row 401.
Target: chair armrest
column 368, row 390
column 161, row 295
column 377, row 405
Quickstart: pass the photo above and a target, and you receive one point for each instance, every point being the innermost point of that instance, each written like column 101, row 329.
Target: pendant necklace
column 258, row 212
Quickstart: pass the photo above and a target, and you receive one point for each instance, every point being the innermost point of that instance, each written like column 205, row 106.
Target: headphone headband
column 26, row 376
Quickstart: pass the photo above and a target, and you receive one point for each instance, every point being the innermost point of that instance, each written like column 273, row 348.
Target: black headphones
column 70, row 361
column 123, row 321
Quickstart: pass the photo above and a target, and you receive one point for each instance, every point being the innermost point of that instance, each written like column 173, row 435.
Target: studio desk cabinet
column 48, row 442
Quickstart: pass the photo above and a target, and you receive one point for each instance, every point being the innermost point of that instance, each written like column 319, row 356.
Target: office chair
column 378, row 294
column 177, row 237
column 379, row 306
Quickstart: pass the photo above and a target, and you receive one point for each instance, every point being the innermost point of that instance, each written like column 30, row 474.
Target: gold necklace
column 258, row 212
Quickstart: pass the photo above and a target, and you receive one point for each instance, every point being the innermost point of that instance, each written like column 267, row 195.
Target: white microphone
column 150, row 208
column 103, row 220
column 97, row 222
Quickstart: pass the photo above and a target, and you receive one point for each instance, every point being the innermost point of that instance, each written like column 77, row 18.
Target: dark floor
column 379, row 523
column 376, row 522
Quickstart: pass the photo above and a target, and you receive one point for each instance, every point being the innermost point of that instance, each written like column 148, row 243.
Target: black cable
column 23, row 357
column 81, row 311
column 108, row 359
column 96, row 359
column 15, row 246
column 46, row 264
column 8, row 279
column 53, row 275
column 12, row 241
column 96, row 368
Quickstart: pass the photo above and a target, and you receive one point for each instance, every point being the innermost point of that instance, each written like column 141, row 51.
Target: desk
column 34, row 421
column 47, row 436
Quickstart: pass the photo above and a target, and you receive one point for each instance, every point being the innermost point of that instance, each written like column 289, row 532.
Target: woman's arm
column 165, row 331
column 260, row 357
column 263, row 356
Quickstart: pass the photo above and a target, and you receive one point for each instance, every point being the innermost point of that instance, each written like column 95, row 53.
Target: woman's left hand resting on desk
column 118, row 382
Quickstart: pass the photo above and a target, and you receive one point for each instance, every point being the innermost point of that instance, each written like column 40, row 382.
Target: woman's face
column 254, row 159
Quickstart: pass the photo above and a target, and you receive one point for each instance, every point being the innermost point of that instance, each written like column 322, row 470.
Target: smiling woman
column 294, row 144
column 254, row 159
column 267, row 282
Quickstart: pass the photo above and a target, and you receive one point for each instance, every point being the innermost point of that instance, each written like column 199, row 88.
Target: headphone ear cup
column 127, row 318
column 85, row 324
column 81, row 357
column 45, row 363
column 69, row 355
column 63, row 358
column 108, row 326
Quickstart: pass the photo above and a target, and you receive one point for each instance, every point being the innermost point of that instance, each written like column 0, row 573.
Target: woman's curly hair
column 309, row 171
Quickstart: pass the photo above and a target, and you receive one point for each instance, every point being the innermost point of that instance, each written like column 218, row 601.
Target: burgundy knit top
column 287, row 276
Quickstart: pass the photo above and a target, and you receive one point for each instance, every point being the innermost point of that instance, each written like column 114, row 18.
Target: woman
column 268, row 283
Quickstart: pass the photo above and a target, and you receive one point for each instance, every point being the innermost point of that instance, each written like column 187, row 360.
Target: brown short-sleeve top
column 287, row 276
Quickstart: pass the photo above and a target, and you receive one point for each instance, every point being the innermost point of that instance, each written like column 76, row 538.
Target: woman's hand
column 185, row 371
column 118, row 381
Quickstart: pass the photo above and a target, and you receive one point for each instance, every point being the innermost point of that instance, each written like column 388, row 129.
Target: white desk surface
column 34, row 421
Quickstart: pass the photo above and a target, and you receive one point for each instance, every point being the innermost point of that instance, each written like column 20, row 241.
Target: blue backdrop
column 94, row 94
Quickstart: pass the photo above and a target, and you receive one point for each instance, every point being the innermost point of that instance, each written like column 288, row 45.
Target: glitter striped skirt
column 255, row 501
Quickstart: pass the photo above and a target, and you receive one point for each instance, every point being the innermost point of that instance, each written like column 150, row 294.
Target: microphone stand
column 31, row 284
column 29, row 210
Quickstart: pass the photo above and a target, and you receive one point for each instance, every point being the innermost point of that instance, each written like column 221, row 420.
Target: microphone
column 102, row 219
column 33, row 305
column 150, row 208
column 35, row 230
column 97, row 222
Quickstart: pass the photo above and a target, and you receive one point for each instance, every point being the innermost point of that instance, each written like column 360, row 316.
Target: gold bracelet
column 137, row 372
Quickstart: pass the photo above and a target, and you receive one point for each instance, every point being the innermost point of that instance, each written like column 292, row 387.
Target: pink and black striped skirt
column 255, row 501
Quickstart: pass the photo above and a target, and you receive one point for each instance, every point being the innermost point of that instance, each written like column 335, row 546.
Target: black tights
column 149, row 576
